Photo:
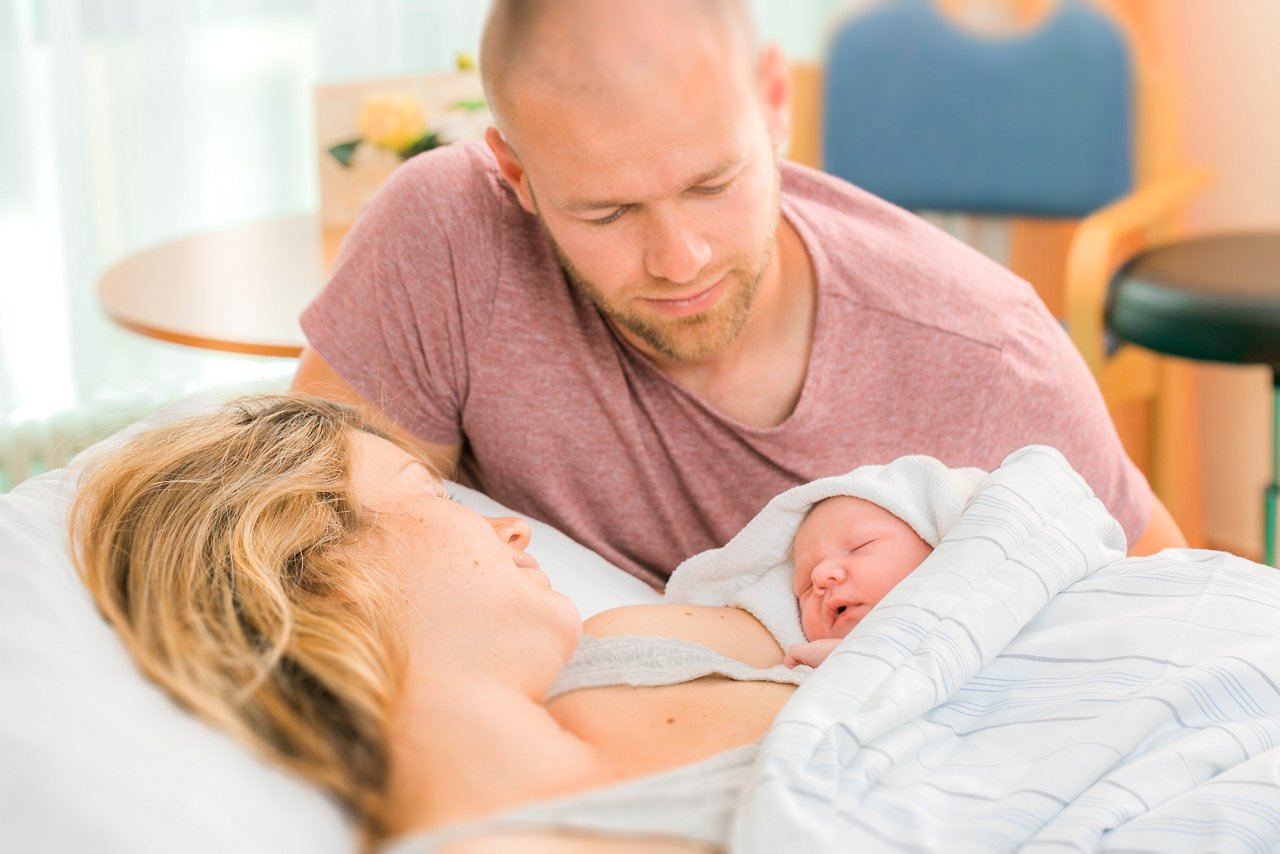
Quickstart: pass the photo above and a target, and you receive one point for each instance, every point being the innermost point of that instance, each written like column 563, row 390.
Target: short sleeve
column 1045, row 394
column 392, row 320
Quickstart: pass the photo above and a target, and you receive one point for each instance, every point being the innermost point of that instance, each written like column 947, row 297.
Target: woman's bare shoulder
column 669, row 620
column 729, row 631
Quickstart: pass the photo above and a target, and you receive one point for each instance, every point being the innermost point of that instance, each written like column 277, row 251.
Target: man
column 625, row 317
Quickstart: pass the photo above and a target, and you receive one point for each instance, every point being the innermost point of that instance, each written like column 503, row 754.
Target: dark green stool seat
column 1213, row 299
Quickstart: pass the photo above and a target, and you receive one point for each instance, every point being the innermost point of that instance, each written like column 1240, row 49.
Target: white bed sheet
column 94, row 757
column 1028, row 689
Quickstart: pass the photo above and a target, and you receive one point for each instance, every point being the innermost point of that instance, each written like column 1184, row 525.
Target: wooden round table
column 239, row 289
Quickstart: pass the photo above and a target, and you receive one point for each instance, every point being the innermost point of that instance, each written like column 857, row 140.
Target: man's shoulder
column 442, row 242
column 869, row 252
column 458, row 179
column 448, row 221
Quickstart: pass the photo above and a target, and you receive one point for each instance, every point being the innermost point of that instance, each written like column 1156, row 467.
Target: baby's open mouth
column 835, row 610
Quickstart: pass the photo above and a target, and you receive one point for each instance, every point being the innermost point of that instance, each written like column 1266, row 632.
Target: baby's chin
column 819, row 633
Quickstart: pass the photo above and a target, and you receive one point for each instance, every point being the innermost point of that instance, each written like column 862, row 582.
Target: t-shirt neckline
column 812, row 381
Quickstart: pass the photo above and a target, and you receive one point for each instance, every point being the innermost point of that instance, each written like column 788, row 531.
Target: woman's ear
column 510, row 167
column 773, row 78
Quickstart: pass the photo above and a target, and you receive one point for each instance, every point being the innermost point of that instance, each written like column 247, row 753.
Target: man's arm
column 316, row 376
column 1161, row 532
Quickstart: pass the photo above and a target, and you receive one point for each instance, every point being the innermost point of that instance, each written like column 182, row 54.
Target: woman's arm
column 729, row 631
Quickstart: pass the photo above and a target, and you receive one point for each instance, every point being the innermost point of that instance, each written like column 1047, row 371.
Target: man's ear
column 774, row 90
column 510, row 167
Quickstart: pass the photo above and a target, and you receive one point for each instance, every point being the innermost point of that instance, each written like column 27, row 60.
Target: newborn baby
column 820, row 555
column 848, row 554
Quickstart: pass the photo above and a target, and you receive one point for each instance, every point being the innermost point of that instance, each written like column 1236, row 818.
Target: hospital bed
column 1024, row 689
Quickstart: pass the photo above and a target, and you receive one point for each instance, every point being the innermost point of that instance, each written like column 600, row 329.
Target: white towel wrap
column 753, row 570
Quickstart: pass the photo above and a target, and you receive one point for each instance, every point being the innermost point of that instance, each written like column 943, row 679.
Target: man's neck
column 758, row 378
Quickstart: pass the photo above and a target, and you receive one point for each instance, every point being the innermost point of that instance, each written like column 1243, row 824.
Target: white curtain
column 125, row 123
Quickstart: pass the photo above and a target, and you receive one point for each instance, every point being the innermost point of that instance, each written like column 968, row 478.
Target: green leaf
column 421, row 144
column 471, row 105
column 342, row 151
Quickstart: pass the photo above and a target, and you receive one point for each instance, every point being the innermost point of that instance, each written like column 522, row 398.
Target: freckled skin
column 424, row 538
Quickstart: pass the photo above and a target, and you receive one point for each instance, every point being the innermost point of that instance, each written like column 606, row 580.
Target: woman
column 292, row 575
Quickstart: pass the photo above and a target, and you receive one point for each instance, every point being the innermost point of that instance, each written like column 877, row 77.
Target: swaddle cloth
column 753, row 570
column 647, row 661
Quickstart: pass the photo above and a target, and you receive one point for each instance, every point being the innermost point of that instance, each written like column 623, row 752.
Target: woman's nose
column 514, row 532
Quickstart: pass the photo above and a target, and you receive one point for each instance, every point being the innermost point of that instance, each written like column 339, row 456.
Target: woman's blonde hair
column 221, row 549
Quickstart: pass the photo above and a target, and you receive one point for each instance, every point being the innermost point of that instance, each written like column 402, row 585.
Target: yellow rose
column 393, row 120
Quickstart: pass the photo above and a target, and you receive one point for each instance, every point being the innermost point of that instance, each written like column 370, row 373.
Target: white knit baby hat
column 753, row 570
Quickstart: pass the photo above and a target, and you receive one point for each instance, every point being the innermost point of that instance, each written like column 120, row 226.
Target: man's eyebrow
column 585, row 205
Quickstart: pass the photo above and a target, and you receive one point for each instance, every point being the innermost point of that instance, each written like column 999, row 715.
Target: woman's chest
column 643, row 730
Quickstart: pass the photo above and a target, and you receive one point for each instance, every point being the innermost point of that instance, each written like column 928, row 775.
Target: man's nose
column 514, row 532
column 676, row 249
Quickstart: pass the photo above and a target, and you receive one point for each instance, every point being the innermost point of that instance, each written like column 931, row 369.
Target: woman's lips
column 692, row 304
column 528, row 562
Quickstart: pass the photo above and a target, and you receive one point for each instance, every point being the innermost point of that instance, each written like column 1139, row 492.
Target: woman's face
column 457, row 570
column 848, row 554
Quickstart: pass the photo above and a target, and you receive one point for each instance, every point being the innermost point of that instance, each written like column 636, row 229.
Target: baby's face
column 848, row 554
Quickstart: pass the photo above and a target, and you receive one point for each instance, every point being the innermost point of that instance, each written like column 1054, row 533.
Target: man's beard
column 696, row 337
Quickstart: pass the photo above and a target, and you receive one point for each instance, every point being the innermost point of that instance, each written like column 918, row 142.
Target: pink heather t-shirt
column 448, row 310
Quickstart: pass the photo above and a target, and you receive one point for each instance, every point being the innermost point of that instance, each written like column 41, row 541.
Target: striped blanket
column 1027, row 688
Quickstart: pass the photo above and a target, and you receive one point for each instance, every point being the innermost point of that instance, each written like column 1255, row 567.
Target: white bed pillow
column 94, row 757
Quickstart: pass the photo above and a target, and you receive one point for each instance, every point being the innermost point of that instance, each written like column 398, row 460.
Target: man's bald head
column 579, row 49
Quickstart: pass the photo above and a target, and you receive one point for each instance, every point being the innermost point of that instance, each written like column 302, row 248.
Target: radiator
column 33, row 447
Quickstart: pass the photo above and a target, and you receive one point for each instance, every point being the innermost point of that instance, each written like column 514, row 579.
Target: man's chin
column 699, row 336
column 687, row 339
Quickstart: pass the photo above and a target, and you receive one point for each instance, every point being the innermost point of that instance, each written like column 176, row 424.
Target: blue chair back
column 930, row 116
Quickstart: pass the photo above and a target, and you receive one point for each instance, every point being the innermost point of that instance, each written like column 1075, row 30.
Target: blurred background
column 128, row 123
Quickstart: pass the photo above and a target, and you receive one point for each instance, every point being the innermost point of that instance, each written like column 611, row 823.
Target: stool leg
column 1273, row 489
column 1271, row 524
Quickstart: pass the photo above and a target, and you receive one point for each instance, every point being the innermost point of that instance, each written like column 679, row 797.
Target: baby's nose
column 827, row 573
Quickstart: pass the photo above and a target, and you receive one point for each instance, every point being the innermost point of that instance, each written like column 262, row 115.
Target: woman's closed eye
column 439, row 491
column 418, row 472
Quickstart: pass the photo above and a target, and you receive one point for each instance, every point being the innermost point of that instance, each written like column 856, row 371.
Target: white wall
column 1227, row 63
